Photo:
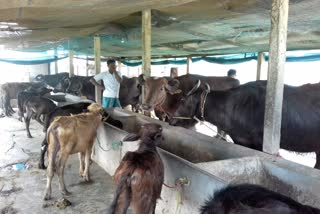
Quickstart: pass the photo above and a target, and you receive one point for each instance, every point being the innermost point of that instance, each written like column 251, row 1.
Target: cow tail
column 123, row 185
column 55, row 147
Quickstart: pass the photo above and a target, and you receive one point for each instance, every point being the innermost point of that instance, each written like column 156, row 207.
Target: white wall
column 20, row 73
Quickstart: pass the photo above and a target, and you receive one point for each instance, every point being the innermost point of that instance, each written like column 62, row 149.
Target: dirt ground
column 22, row 191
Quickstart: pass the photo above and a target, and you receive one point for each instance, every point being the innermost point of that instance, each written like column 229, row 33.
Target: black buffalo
column 24, row 96
column 129, row 94
column 240, row 112
column 11, row 90
column 253, row 199
column 54, row 80
column 162, row 94
column 81, row 86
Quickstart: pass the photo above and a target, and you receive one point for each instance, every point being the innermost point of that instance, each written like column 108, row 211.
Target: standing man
column 111, row 81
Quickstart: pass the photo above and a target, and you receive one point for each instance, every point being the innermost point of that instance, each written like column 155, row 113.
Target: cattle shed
column 134, row 30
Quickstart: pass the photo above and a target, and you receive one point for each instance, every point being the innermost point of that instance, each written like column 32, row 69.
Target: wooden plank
column 275, row 85
column 97, row 62
column 71, row 66
column 259, row 65
column 189, row 62
column 146, row 42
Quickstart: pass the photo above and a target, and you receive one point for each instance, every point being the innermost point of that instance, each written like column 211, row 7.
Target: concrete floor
column 21, row 191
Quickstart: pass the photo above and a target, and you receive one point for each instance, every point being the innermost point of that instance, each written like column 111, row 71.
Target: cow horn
column 207, row 87
column 194, row 88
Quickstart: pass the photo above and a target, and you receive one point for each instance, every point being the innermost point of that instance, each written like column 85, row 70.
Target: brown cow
column 140, row 175
column 63, row 141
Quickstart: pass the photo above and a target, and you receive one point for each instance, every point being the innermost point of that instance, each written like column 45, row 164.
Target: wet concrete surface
column 22, row 191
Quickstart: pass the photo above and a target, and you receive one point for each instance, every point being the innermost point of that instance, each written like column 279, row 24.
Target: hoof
column 87, row 179
column 29, row 136
column 47, row 197
column 65, row 192
column 41, row 166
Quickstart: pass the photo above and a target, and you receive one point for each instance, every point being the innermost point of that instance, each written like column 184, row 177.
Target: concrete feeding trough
column 202, row 165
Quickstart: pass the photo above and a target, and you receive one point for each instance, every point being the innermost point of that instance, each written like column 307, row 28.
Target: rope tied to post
column 178, row 186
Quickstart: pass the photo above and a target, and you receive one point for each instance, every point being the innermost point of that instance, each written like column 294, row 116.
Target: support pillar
column 189, row 62
column 146, row 42
column 97, row 62
column 71, row 66
column 259, row 65
column 275, row 85
column 56, row 61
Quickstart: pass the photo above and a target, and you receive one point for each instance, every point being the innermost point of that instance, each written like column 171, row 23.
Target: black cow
column 35, row 107
column 240, row 112
column 162, row 93
column 129, row 94
column 54, row 80
column 67, row 110
column 24, row 96
column 81, row 86
column 11, row 90
column 253, row 199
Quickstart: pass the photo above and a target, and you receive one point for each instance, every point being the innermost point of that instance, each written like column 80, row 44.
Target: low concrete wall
column 207, row 163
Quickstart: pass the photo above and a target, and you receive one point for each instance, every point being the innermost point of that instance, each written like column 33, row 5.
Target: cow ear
column 131, row 137
column 173, row 86
column 141, row 79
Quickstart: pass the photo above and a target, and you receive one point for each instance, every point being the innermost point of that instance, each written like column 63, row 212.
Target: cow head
column 156, row 89
column 130, row 91
column 150, row 135
column 73, row 86
column 189, row 106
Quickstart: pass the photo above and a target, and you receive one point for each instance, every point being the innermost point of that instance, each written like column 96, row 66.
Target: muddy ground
column 22, row 191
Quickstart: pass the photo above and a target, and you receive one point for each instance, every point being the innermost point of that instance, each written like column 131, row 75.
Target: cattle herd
column 236, row 109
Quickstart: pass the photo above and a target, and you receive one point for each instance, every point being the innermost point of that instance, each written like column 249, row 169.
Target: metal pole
column 275, row 85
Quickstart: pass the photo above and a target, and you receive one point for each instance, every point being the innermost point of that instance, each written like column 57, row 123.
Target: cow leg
column 6, row 106
column 27, row 121
column 82, row 162
column 20, row 116
column 60, row 170
column 317, row 166
column 44, row 148
column 87, row 164
column 11, row 109
column 50, row 173
column 37, row 118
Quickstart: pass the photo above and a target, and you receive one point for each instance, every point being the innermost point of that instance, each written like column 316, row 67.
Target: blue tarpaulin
column 24, row 58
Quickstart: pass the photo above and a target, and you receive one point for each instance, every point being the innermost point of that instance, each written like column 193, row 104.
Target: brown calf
column 140, row 175
column 68, row 135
